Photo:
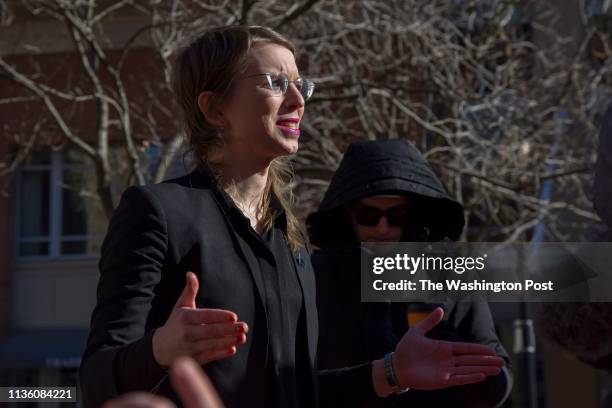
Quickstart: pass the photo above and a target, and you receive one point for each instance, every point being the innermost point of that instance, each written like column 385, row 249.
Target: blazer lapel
column 203, row 178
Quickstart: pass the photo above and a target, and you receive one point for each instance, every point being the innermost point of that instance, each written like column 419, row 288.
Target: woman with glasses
column 213, row 266
column 385, row 191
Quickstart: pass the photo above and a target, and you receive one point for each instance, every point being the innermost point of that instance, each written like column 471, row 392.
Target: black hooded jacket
column 352, row 332
column 385, row 166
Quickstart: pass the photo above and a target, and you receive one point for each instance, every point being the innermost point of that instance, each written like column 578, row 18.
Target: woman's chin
column 287, row 148
column 293, row 149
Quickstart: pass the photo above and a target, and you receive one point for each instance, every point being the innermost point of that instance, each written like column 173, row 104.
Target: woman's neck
column 246, row 186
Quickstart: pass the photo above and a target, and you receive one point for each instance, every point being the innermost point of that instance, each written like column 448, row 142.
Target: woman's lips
column 288, row 130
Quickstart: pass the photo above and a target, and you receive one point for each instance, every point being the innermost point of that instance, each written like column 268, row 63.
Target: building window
column 58, row 213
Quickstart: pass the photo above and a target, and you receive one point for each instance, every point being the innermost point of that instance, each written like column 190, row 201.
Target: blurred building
column 52, row 224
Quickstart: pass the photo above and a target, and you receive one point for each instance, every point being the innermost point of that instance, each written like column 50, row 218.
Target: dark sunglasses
column 370, row 216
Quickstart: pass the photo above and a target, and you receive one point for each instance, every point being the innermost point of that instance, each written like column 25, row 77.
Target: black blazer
column 156, row 235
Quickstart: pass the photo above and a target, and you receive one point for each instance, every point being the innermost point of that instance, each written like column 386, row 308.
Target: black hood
column 386, row 167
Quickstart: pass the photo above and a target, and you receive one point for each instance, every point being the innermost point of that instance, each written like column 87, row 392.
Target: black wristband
column 390, row 375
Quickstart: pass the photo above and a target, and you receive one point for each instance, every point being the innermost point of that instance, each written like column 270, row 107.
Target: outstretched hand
column 203, row 334
column 426, row 364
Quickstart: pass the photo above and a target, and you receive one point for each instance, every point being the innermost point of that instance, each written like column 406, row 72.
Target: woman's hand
column 426, row 364
column 203, row 334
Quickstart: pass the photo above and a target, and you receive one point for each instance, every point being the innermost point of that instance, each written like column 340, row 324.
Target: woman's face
column 261, row 124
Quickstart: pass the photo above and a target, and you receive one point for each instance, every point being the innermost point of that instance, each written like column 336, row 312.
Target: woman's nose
column 293, row 97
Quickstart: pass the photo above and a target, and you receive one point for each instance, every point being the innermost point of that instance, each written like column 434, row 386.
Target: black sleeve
column 118, row 356
column 476, row 325
column 346, row 387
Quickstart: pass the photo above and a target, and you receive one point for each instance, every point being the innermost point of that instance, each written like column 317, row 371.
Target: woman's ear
column 211, row 112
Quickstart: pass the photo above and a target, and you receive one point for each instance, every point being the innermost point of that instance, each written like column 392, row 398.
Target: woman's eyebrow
column 291, row 74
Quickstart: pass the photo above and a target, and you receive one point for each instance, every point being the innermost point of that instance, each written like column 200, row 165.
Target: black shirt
column 283, row 301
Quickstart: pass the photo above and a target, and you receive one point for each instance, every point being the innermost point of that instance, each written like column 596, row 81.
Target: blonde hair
column 210, row 62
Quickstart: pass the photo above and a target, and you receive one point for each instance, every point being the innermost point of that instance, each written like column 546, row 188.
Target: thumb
column 430, row 321
column 187, row 298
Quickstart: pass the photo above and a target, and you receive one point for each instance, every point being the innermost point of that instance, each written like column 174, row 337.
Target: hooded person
column 386, row 191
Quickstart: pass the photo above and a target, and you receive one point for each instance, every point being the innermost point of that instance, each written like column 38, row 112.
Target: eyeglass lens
column 281, row 83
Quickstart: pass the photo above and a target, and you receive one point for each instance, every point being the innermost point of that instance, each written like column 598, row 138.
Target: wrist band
column 390, row 375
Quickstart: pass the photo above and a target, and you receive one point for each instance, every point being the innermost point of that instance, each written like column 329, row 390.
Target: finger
column 217, row 344
column 456, row 380
column 208, row 316
column 139, row 400
column 188, row 296
column 479, row 360
column 430, row 321
column 488, row 371
column 209, row 356
column 209, row 331
column 193, row 386
column 471, row 348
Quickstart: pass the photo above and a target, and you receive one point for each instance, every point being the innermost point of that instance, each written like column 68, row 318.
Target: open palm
column 426, row 364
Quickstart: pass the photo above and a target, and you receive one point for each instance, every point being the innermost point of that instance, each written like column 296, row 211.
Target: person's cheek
column 269, row 119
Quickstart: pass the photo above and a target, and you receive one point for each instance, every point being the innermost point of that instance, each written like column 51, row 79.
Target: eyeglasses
column 279, row 83
column 370, row 216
